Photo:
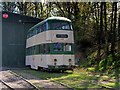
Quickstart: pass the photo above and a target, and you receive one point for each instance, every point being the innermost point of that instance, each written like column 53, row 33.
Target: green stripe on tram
column 62, row 52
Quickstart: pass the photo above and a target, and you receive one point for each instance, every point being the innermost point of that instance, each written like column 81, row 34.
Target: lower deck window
column 50, row 48
column 67, row 47
column 57, row 47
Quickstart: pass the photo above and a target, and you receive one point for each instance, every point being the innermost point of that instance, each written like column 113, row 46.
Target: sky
column 59, row 0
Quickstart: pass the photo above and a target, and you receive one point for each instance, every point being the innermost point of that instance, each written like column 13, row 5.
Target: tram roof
column 51, row 18
column 58, row 18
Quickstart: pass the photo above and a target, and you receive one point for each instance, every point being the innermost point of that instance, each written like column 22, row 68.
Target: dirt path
column 42, row 84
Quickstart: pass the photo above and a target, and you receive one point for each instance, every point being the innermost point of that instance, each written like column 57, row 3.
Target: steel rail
column 6, row 85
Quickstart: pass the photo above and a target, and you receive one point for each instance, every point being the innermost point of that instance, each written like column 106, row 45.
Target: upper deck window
column 59, row 25
column 51, row 24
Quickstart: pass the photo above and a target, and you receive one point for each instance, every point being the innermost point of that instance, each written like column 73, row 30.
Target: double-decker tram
column 50, row 45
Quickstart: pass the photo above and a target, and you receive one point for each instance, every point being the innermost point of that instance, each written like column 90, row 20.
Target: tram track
column 5, row 86
column 11, row 81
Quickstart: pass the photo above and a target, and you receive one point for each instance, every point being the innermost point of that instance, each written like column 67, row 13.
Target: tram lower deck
column 50, row 61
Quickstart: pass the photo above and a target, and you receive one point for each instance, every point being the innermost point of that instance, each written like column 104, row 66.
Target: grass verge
column 79, row 79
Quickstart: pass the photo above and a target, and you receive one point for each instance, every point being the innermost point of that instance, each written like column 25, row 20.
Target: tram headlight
column 55, row 61
column 70, row 62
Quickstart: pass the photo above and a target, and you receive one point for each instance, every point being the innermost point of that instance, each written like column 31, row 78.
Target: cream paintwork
column 45, row 60
column 50, row 37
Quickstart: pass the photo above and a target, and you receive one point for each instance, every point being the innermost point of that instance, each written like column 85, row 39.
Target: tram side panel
column 37, row 39
column 39, row 61
column 50, row 37
column 45, row 61
column 68, row 59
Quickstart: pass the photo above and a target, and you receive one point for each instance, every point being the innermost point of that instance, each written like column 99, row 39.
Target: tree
column 8, row 6
column 116, row 68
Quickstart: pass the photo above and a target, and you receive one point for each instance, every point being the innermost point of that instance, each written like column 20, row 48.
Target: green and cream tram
column 50, row 45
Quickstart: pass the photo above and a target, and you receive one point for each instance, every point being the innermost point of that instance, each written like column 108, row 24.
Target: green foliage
column 105, row 64
column 109, row 64
column 90, row 61
column 91, row 69
column 102, row 65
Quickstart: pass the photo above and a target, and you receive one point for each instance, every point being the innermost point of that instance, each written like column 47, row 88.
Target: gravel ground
column 2, row 86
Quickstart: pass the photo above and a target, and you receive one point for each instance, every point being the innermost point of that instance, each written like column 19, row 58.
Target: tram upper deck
column 53, row 29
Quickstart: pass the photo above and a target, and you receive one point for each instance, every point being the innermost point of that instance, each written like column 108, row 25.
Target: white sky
column 59, row 0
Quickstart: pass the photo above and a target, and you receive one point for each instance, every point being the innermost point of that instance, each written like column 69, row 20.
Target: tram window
column 67, row 47
column 30, row 51
column 47, row 48
column 59, row 25
column 47, row 26
column 34, row 32
column 43, row 27
column 66, row 26
column 57, row 47
column 43, row 49
column 31, row 33
column 33, row 50
column 37, row 49
column 71, row 26
column 38, row 30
